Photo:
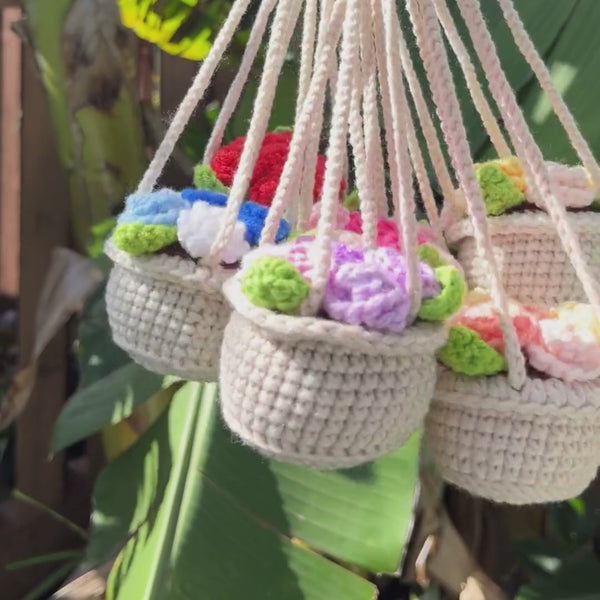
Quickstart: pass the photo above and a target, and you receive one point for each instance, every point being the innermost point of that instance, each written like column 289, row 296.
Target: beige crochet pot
column 541, row 444
column 167, row 314
column 532, row 262
column 320, row 393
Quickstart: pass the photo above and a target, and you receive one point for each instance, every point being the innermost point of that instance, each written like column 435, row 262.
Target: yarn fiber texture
column 320, row 393
column 275, row 284
column 155, row 208
column 167, row 314
column 541, row 444
column 445, row 304
column 205, row 179
column 138, row 239
column 499, row 193
column 533, row 265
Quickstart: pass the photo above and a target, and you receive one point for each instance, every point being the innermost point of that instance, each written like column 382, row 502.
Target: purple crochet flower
column 368, row 288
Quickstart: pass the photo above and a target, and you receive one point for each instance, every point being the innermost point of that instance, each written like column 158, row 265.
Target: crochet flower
column 205, row 195
column 368, row 288
column 343, row 216
column 571, row 186
column 388, row 235
column 252, row 215
column 198, row 227
column 568, row 348
column 138, row 239
column 154, row 208
column 275, row 284
column 268, row 167
column 482, row 318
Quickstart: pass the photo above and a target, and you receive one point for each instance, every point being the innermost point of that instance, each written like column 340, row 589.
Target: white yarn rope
column 312, row 149
column 193, row 96
column 405, row 214
column 419, row 167
column 371, row 112
column 386, row 101
column 295, row 212
column 309, row 34
column 234, row 94
column 237, row 85
column 438, row 160
column 488, row 118
column 336, row 156
column 368, row 202
column 311, row 109
column 540, row 70
column 285, row 19
column 527, row 150
column 433, row 53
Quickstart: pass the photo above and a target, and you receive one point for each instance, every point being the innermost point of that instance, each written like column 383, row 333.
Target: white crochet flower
column 197, row 229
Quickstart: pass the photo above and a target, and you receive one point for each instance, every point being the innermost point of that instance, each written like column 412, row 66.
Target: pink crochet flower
column 388, row 235
column 343, row 216
column 565, row 350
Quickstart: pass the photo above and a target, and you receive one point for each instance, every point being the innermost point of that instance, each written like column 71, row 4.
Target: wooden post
column 10, row 163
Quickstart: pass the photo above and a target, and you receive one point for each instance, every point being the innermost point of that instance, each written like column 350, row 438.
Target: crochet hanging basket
column 320, row 393
column 541, row 444
column 516, row 439
column 533, row 264
column 167, row 314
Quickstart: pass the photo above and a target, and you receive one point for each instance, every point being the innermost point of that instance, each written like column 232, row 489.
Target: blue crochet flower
column 213, row 198
column 154, row 208
column 254, row 216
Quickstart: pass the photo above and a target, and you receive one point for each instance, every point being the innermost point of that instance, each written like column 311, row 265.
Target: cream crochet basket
column 167, row 314
column 320, row 393
column 533, row 264
column 540, row 444
column 515, row 438
column 302, row 388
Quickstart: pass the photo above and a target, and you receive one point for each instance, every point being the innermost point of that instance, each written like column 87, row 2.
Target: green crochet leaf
column 137, row 238
column 499, row 193
column 205, row 179
column 352, row 201
column 449, row 300
column 465, row 352
column 275, row 284
column 430, row 256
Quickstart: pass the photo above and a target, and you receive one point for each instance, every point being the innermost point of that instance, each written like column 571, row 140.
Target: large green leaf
column 206, row 517
column 180, row 27
column 104, row 403
column 573, row 63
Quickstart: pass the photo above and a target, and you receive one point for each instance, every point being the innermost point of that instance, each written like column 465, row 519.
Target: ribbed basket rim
column 528, row 222
column 542, row 397
column 173, row 269
column 419, row 338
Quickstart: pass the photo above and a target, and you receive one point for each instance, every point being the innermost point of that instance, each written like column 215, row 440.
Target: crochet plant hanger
column 521, row 438
column 167, row 310
column 325, row 392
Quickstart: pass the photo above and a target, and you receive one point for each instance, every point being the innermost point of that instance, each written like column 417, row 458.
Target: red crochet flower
column 268, row 168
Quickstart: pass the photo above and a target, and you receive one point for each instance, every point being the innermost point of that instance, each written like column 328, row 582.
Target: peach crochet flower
column 569, row 348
